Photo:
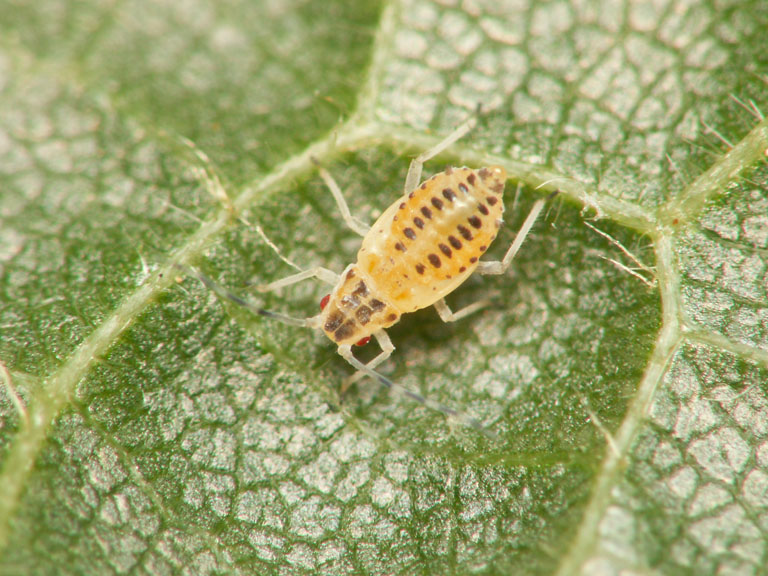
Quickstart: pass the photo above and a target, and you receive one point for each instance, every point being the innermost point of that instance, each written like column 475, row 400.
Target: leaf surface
column 148, row 427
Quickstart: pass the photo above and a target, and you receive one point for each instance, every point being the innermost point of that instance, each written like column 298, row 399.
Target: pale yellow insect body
column 423, row 247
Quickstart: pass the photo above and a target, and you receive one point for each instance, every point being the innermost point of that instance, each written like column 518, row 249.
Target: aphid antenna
column 313, row 322
column 275, row 249
column 463, row 419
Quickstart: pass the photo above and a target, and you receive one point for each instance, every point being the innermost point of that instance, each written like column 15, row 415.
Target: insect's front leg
column 323, row 274
column 382, row 338
column 346, row 352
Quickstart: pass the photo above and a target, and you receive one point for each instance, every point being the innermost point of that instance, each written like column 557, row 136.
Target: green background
column 167, row 432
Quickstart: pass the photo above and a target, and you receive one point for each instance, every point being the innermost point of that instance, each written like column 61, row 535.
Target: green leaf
column 148, row 427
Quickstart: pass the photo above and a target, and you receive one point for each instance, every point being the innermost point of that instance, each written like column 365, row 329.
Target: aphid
column 424, row 246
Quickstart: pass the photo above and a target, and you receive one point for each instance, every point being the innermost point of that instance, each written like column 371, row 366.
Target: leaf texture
column 148, row 427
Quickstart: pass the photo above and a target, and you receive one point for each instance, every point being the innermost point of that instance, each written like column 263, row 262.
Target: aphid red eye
column 363, row 341
column 324, row 301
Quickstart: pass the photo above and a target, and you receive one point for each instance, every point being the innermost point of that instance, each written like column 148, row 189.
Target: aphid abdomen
column 429, row 241
column 356, row 309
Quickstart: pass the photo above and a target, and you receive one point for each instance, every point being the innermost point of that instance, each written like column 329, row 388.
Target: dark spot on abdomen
column 434, row 259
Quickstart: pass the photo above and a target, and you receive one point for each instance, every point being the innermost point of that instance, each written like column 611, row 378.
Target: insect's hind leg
column 353, row 223
column 414, row 171
column 447, row 315
column 494, row 267
column 500, row 266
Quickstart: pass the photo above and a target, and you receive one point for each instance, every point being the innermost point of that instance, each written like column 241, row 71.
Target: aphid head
column 354, row 312
column 324, row 302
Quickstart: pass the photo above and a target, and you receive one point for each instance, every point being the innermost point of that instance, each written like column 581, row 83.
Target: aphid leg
column 346, row 352
column 322, row 274
column 499, row 267
column 447, row 315
column 313, row 322
column 414, row 171
column 353, row 223
column 386, row 351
